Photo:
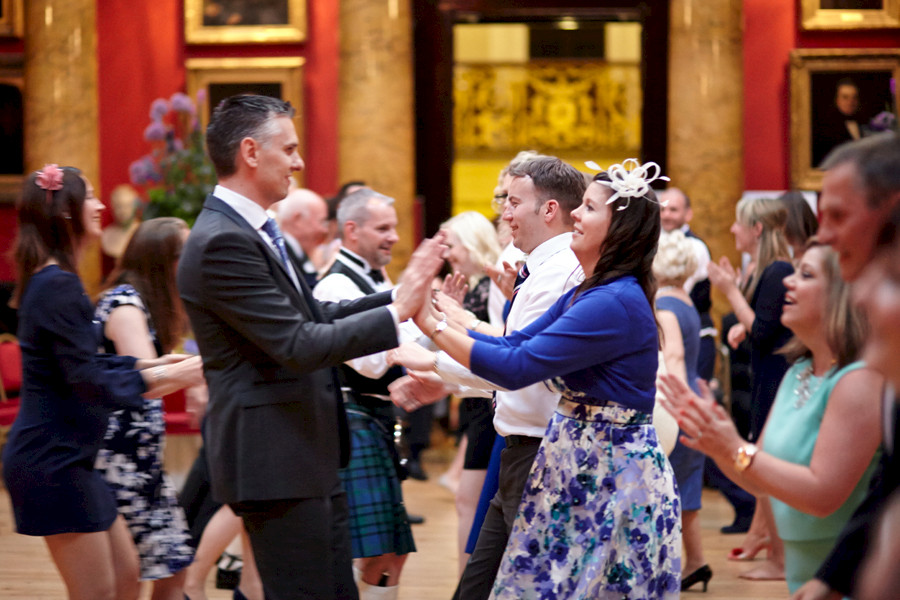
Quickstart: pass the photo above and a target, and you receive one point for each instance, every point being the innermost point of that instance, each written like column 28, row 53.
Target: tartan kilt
column 378, row 520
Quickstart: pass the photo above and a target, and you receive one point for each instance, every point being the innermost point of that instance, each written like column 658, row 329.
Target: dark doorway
column 433, row 37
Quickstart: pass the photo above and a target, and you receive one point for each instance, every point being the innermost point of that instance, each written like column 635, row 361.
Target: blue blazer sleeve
column 563, row 340
column 97, row 378
column 767, row 333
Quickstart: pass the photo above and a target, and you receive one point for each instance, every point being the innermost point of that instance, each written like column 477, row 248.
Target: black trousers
column 196, row 498
column 481, row 570
column 302, row 546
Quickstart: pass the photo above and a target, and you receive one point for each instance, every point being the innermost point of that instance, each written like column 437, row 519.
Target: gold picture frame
column 12, row 18
column 816, row 78
column 244, row 22
column 834, row 14
column 219, row 78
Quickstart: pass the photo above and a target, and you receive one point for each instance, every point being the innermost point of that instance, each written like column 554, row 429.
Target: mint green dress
column 791, row 434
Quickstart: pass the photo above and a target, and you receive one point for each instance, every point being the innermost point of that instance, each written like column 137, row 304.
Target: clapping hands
column 722, row 275
column 505, row 278
column 706, row 426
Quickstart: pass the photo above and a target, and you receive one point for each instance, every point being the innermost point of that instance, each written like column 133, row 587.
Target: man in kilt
column 379, row 526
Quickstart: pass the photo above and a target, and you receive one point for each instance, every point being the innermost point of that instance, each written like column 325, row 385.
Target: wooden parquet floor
column 27, row 573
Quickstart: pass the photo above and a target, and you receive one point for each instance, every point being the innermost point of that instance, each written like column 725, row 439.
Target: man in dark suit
column 860, row 188
column 276, row 429
column 303, row 219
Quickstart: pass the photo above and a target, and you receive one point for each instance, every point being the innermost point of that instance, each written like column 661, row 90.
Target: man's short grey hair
column 355, row 207
column 877, row 162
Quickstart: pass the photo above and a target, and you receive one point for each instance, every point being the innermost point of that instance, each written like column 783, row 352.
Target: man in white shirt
column 380, row 533
column 542, row 194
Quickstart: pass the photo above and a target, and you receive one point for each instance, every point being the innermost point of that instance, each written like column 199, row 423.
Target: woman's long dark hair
column 630, row 244
column 50, row 226
column 149, row 265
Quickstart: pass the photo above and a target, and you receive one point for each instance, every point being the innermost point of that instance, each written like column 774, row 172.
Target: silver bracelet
column 475, row 323
column 158, row 374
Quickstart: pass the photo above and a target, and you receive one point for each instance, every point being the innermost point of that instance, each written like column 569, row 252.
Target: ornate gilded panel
column 554, row 106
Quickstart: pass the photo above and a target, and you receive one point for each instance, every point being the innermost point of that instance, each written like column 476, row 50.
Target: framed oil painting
column 837, row 96
column 12, row 18
column 849, row 14
column 244, row 21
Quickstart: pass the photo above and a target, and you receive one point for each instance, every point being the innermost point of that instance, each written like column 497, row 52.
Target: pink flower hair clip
column 50, row 179
column 630, row 180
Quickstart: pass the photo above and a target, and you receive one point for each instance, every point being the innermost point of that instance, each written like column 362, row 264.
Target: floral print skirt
column 600, row 517
column 131, row 463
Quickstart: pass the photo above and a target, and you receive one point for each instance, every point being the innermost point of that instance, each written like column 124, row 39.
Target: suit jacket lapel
column 304, row 288
column 308, row 305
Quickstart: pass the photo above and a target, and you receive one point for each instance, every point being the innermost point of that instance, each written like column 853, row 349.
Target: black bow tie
column 374, row 274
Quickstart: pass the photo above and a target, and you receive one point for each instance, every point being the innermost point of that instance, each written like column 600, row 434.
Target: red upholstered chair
column 10, row 367
column 178, row 420
column 10, row 381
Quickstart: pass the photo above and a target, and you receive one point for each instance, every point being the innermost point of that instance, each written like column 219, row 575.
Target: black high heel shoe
column 703, row 574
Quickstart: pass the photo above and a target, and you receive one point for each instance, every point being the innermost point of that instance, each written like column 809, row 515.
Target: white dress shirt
column 256, row 216
column 703, row 258
column 337, row 286
column 553, row 270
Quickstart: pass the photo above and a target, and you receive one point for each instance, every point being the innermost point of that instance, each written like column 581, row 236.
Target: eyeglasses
column 498, row 202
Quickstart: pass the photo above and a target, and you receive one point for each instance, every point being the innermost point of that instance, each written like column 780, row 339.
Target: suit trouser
column 481, row 570
column 301, row 546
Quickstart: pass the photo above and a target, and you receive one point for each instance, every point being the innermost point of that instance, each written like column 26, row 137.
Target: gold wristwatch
column 744, row 457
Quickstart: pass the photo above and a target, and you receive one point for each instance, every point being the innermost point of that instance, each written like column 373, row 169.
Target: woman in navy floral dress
column 600, row 516
column 141, row 315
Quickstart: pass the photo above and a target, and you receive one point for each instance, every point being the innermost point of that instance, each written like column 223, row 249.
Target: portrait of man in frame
column 837, row 95
column 244, row 21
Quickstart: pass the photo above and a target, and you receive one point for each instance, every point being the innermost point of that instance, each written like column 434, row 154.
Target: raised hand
column 504, row 278
column 453, row 309
column 736, row 335
column 455, row 287
column 415, row 283
column 722, row 275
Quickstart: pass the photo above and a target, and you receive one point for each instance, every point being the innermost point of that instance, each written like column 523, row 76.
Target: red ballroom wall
column 771, row 31
column 140, row 57
column 141, row 54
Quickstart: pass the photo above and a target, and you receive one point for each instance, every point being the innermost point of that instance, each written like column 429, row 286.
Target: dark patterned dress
column 131, row 463
column 476, row 416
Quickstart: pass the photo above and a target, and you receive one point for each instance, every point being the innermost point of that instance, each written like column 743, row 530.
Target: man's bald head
column 303, row 214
